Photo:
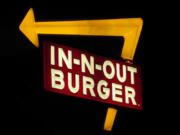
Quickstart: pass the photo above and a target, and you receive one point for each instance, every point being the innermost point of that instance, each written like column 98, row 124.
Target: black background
column 28, row 109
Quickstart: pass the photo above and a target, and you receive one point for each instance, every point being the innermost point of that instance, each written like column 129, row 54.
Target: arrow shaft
column 110, row 27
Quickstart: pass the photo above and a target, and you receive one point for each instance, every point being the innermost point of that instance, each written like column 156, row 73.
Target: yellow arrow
column 129, row 28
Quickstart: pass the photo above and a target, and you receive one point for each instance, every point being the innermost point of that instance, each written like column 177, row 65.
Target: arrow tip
column 27, row 27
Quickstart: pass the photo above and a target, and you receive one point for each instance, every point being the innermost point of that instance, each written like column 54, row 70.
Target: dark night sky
column 28, row 109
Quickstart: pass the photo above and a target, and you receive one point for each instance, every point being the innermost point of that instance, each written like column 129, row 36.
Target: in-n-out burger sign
column 73, row 72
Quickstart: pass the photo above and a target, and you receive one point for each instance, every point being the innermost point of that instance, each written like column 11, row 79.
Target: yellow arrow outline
column 129, row 28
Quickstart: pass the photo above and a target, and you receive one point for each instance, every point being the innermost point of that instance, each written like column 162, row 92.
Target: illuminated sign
column 96, row 78
column 77, row 73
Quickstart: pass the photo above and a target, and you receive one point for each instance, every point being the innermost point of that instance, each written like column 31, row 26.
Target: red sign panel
column 77, row 73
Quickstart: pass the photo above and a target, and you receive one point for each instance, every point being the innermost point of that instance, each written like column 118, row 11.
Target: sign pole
column 111, row 113
column 110, row 117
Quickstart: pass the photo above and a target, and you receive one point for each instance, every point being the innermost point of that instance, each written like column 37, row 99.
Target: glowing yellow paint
column 129, row 28
column 110, row 117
